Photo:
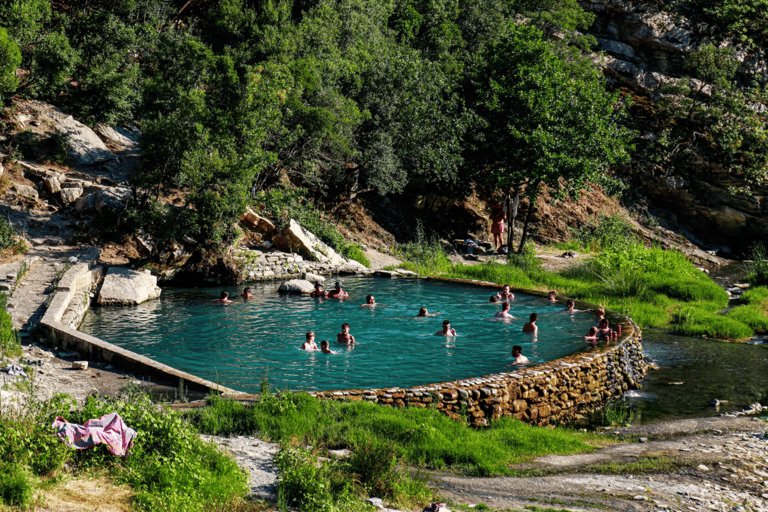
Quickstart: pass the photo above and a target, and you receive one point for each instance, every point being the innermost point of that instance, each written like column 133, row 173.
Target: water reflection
column 693, row 372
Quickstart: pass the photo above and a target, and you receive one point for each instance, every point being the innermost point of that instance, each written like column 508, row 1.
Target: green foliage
column 608, row 232
column 7, row 234
column 422, row 436
column 423, row 254
column 307, row 484
column 758, row 274
column 696, row 321
column 10, row 344
column 756, row 295
column 616, row 413
column 10, row 60
column 15, row 486
column 755, row 316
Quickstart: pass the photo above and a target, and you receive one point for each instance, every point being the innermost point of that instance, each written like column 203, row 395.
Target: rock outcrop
column 256, row 222
column 294, row 238
column 296, row 286
column 123, row 286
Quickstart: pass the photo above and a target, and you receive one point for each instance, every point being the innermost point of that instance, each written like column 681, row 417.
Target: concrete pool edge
column 556, row 392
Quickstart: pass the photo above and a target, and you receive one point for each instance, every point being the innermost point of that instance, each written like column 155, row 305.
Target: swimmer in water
column 570, row 306
column 517, row 353
column 424, row 313
column 324, row 348
column 552, row 296
column 447, row 330
column 531, row 326
column 504, row 313
column 337, row 292
column 370, row 302
column 318, row 291
column 591, row 335
column 224, row 297
column 247, row 294
column 344, row 336
column 310, row 345
column 506, row 294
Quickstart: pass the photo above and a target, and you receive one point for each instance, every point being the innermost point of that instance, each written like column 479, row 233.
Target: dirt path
column 724, row 467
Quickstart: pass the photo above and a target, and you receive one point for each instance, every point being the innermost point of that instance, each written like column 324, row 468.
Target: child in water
column 324, row 348
column 344, row 336
column 310, row 345
column 504, row 313
column 224, row 297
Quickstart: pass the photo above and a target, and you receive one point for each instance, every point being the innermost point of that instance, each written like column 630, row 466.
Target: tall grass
column 758, row 274
column 421, row 436
column 10, row 344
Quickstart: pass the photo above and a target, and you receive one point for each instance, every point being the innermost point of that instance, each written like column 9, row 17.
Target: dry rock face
column 294, row 238
column 557, row 392
column 125, row 286
column 645, row 47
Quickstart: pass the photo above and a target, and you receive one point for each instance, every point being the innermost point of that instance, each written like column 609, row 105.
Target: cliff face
column 645, row 48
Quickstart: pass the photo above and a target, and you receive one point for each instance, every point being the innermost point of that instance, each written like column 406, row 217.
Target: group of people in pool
column 602, row 331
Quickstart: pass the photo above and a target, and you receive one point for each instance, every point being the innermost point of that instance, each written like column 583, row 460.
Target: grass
column 422, row 437
column 653, row 286
column 648, row 465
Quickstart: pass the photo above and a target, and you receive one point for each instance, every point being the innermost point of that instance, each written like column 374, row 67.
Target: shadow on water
column 693, row 372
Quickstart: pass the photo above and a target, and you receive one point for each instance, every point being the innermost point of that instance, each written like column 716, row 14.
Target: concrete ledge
column 94, row 349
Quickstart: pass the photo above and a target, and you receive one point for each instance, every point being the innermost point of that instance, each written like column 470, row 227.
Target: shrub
column 307, row 484
column 608, row 232
column 15, row 486
column 10, row 344
column 755, row 316
column 10, row 60
column 758, row 274
column 695, row 321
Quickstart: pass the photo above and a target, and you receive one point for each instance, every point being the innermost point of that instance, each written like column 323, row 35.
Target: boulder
column 123, row 286
column 114, row 198
column 175, row 254
column 313, row 278
column 294, row 238
column 84, row 145
column 70, row 194
column 26, row 191
column 296, row 286
column 118, row 134
column 256, row 222
column 52, row 184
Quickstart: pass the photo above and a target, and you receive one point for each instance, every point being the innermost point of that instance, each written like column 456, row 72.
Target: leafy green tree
column 544, row 121
column 10, row 60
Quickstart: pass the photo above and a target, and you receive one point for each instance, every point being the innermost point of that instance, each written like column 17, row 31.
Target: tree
column 543, row 121
column 10, row 60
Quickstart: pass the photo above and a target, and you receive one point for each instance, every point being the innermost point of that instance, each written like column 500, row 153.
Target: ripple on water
column 238, row 344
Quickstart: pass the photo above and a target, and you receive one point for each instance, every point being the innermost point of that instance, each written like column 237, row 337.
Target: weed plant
column 422, row 436
column 10, row 344
column 9, row 237
column 691, row 320
column 758, row 275
column 169, row 467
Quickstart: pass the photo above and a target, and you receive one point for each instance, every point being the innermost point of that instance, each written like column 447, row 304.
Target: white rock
column 702, row 467
column 294, row 238
column 84, row 145
column 313, row 278
column 26, row 191
column 296, row 286
column 79, row 365
column 70, row 194
column 125, row 286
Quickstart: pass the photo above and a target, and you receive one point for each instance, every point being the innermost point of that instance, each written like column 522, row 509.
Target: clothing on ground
column 109, row 429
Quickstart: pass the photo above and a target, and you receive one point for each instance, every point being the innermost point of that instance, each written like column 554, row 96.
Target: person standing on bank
column 498, row 216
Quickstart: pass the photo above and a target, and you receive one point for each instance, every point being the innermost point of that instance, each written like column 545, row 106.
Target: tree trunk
column 525, row 226
column 511, row 219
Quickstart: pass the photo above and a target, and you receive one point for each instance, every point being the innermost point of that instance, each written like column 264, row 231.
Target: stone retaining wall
column 268, row 265
column 561, row 391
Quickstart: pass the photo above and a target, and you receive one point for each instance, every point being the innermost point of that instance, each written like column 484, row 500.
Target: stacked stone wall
column 268, row 265
column 561, row 391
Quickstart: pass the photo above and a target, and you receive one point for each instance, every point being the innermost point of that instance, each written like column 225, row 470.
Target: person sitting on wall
column 517, row 353
column 531, row 326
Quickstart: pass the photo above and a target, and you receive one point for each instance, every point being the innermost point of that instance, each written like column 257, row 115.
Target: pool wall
column 71, row 301
column 561, row 391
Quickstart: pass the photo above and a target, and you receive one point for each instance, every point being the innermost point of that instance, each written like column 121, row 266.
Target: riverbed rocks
column 123, row 286
column 296, row 286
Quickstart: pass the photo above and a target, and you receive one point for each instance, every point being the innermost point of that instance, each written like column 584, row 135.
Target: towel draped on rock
column 109, row 429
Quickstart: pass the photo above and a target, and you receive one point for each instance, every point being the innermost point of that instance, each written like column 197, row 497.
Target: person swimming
column 591, row 335
column 310, row 345
column 505, row 293
column 424, row 313
column 247, row 294
column 504, row 313
column 447, row 330
column 223, row 297
column 570, row 306
column 552, row 296
column 344, row 336
column 531, row 326
column 318, row 291
column 337, row 292
column 517, row 353
column 325, row 349
column 370, row 302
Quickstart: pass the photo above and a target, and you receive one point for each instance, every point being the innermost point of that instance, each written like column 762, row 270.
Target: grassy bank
column 655, row 287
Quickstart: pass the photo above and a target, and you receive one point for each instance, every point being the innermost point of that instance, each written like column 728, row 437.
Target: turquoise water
column 238, row 344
